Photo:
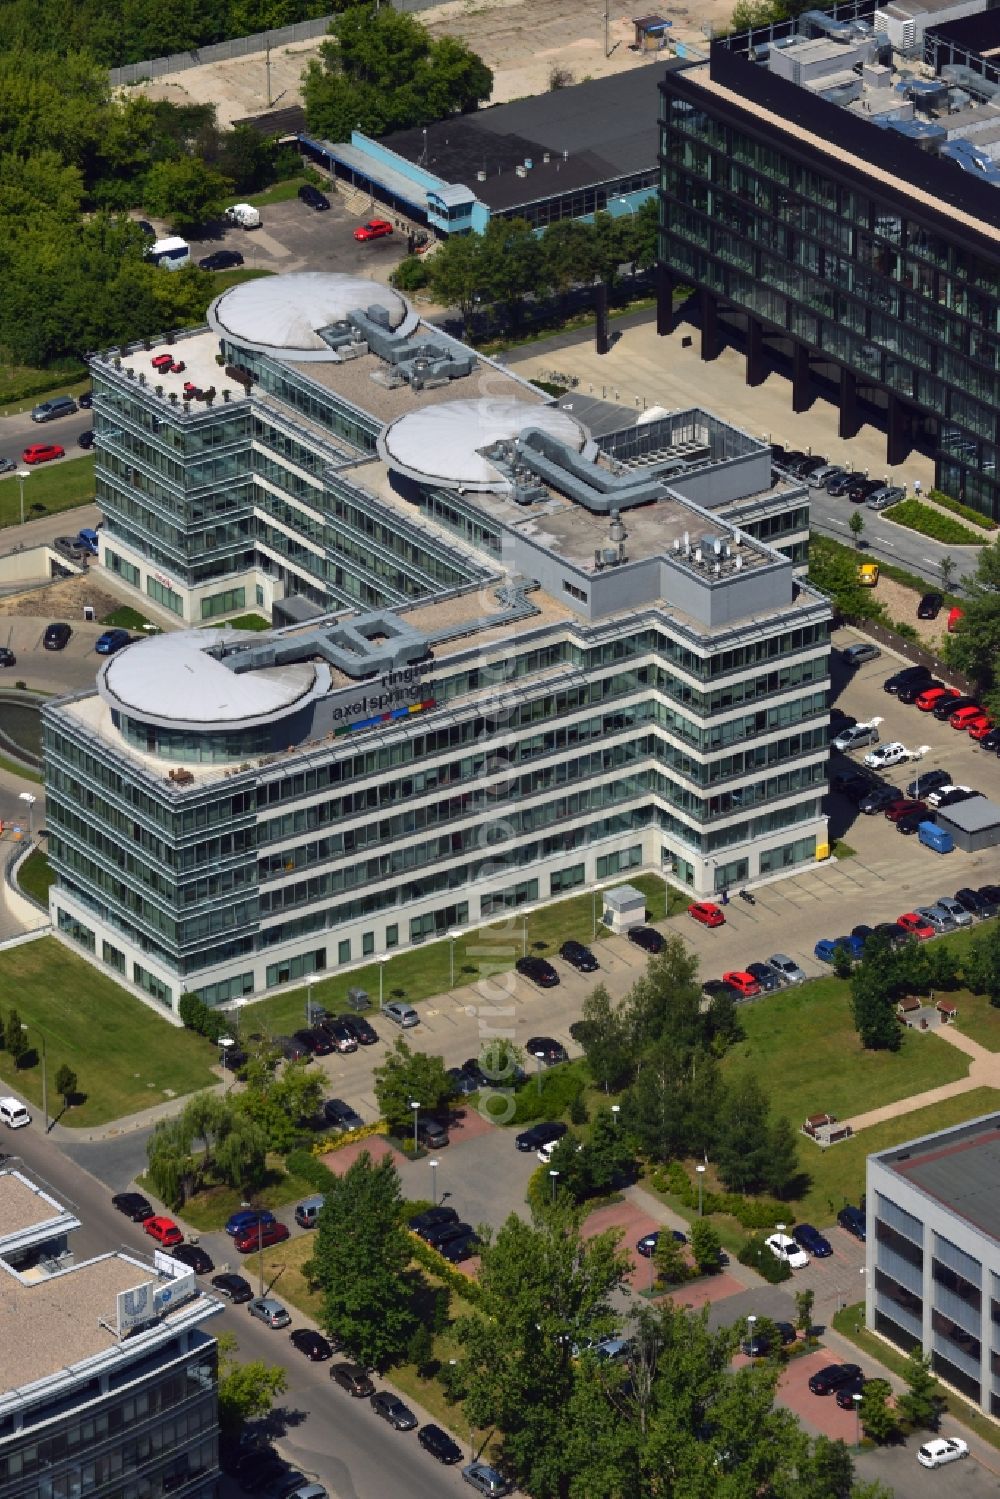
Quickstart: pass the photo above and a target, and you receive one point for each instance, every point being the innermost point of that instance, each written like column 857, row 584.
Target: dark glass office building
column 833, row 226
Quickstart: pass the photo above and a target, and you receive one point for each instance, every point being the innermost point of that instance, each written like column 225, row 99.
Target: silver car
column 400, row 1014
column 959, row 915
column 937, row 917
column 819, row 476
column 269, row 1311
column 889, row 494
column 857, row 735
column 789, row 970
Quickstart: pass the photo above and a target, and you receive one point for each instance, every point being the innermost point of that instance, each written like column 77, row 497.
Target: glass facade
column 906, row 304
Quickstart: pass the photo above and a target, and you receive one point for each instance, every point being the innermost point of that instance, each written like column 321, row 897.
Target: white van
column 13, row 1113
column 172, row 253
column 244, row 215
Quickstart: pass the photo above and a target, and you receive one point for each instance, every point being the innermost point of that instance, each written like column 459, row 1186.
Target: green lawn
column 126, row 1058
column 281, row 192
column 17, row 769
column 22, row 386
column 924, row 519
column 978, row 1018
column 35, row 876
column 127, row 618
column 209, row 1210
column 255, row 622
column 419, row 972
column 53, row 487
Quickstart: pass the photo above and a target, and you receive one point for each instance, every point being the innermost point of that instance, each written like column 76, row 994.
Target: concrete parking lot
column 294, row 237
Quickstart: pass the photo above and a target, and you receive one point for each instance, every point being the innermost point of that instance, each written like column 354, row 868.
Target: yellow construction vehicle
column 868, row 574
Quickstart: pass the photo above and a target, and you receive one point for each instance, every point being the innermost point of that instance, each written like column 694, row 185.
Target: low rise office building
column 513, row 654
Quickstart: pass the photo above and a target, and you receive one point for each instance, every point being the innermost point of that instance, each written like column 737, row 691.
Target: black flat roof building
column 835, row 204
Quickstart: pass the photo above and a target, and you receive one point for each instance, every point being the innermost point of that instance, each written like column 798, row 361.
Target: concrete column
column 665, row 284
column 849, row 423
column 756, row 365
column 709, row 325
column 898, row 442
column 801, row 382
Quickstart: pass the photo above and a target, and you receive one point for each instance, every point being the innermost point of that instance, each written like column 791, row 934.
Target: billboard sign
column 155, row 1298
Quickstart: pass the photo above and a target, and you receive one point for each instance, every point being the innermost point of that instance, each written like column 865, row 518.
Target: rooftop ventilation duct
column 596, row 490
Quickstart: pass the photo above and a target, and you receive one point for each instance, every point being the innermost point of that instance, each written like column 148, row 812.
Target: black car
column 906, row 674
column 353, row 1379
column 827, row 1381
column 539, row 1135
column 714, row 988
column 359, row 1028
column 443, row 1233
column 579, row 957
column 853, row 1219
column 839, row 721
column 646, row 937
column 908, row 694
column 439, row 1444
column 463, row 1083
column 767, row 977
column 313, row 198
column 257, row 1469
column 892, row 932
column 858, row 493
column 812, row 1241
column 476, row 1073
column 391, row 1409
column 970, row 900
column 461, row 1247
column 337, row 1034
column 991, row 741
column 990, row 896
column 878, row 797
column 56, row 637
column 341, row 1115
column 221, row 260
column 312, row 1344
column 845, row 1395
column 146, row 228
column 759, row 1345
column 233, row 1287
column 929, row 780
column 807, row 466
column 432, row 1218
column 7, row 657
column 952, row 798
column 844, row 483
column 950, row 705
column 853, row 785
column 133, row 1205
column 86, row 439
column 196, row 1259
column 910, row 822
column 930, row 606
column 432, row 1133
column 551, row 1051
column 316, row 1042
column 292, row 1049
column 538, row 971
column 862, row 932
column 86, row 400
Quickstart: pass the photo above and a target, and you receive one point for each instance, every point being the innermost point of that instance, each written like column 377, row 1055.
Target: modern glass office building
column 509, row 659
column 834, row 203
column 109, row 1381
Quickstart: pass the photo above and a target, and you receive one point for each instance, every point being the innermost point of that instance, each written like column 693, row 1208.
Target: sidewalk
column 984, row 1072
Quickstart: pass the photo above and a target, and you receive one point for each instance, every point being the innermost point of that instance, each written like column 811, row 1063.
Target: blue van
column 939, row 839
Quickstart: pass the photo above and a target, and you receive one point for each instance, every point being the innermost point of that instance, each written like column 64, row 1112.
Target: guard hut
column 651, row 33
column 624, row 907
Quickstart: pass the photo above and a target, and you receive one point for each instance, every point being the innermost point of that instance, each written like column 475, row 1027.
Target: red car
column 981, row 727
column 903, row 807
column 954, row 615
column 966, row 717
column 934, row 695
column 744, row 982
column 164, row 1231
column 916, row 925
column 374, row 229
column 707, row 913
column 261, row 1237
column 42, row 452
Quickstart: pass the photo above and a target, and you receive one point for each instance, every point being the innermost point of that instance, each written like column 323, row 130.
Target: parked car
column 232, row 1288
column 194, row 1257
column 826, row 948
column 859, row 493
column 964, row 718
column 910, row 691
column 954, row 617
column 461, row 1247
column 990, row 896
column 646, row 1246
column 787, row 967
column 765, row 976
column 928, row 780
column 706, row 913
column 579, row 957
column 857, row 735
column 442, row 1233
column 538, row 971
column 937, row 918
column 857, row 655
column 392, row 1409
column 313, row 198
column 261, row 1237
column 432, row 1133
column 951, row 705
column 221, row 260
column 903, row 676
column 538, row 1135
column 312, row 1344
column 889, row 494
column 163, row 1230
column 853, row 1219
column 940, row 795
column 713, row 988
column 812, row 1241
column 941, row 1450
column 245, row 1219
column 48, row 411
column 904, row 806
column 759, row 1345
column 914, row 925
column 292, row 1049
column 784, row 1248
column 373, row 229
column 361, row 1029
column 85, row 440
column 486, row 1480
column 827, row 1381
column 42, row 452
column 910, row 823
column 7, row 657
column 745, row 982
column 955, row 909
column 885, row 755
column 400, row 1014
column 269, row 1310
column 981, row 728
column 133, row 1205
column 930, row 606
column 56, row 636
column 353, row 1379
column 878, row 798
column 341, row 1115
column 111, row 641
column 339, row 1037
column 972, row 901
column 439, row 1444
column 927, row 700
column 318, row 1044
column 845, row 1395
column 646, row 937
column 432, row 1218
column 550, row 1050
column 952, row 795
column 854, row 786
column 843, row 483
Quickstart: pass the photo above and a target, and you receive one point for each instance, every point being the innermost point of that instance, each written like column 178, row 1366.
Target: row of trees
column 674, row 1418
column 973, row 648
column 886, row 973
column 15, row 1040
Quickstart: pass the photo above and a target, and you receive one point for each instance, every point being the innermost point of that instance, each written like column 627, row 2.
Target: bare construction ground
column 519, row 40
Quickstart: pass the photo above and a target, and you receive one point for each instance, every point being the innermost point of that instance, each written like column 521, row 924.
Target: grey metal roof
column 973, row 815
column 959, row 1168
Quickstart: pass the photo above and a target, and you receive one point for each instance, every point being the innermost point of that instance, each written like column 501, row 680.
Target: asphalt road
column 319, row 1428
column 19, row 432
column 883, row 539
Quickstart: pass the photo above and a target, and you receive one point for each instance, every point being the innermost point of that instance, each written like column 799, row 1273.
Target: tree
column 804, row 1303
column 705, row 1246
column 606, row 1039
column 743, row 1146
column 246, row 1390
column 420, row 1350
column 856, row 526
column 502, row 1061
column 920, row 1406
column 974, row 645
column 18, row 1044
column 212, row 1140
column 668, row 1257
column 666, row 1001
column 280, row 1105
column 455, row 272
column 834, row 570
column 360, row 1262
column 608, row 1156
column 783, row 1158
column 871, row 1004
column 947, row 568
column 941, row 964
column 407, row 1076
column 185, row 192
column 878, row 1419
column 982, row 963
column 66, row 1084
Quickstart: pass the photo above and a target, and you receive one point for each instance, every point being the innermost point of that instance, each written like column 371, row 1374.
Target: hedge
column 965, row 511
column 751, row 1212
column 919, row 517
column 462, row 1285
column 303, row 1163
column 756, row 1254
column 41, row 383
column 549, row 1095
column 324, row 1147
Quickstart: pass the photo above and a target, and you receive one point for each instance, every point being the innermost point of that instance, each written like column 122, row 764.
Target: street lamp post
column 309, row 1005
column 857, row 1397
column 260, row 1244
column 524, row 936
column 45, row 1081
column 381, row 960
column 29, row 801
column 22, row 474
column 616, row 1109
column 434, row 1183
column 701, row 1182
column 539, row 1058
column 751, row 1324
column 452, row 939
column 414, row 1105
column 553, row 1177
column 593, row 913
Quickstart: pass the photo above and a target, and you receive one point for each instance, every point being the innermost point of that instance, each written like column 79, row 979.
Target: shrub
column 462, row 1285
column 305, row 1165
column 756, row 1254
column 751, row 1212
column 928, row 522
column 550, row 1095
column 323, row 1147
column 965, row 511
column 200, row 1017
column 411, row 274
